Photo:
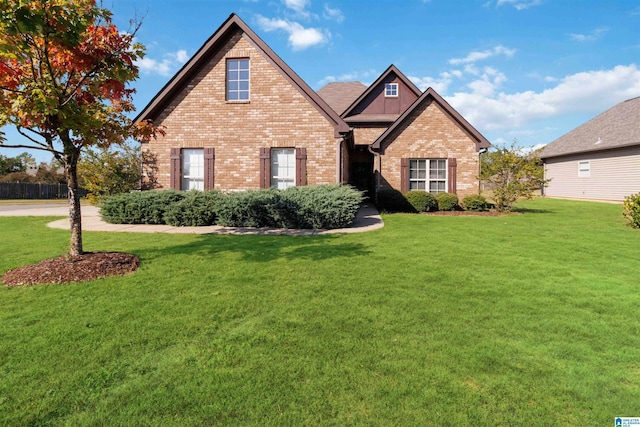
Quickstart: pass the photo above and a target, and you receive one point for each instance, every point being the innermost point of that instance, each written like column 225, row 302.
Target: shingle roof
column 617, row 127
column 339, row 95
column 216, row 42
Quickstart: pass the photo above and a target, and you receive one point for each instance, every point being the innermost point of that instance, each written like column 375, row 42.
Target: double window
column 238, row 79
column 428, row 175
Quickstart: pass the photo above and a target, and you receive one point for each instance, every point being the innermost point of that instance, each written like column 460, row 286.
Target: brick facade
column 430, row 134
column 284, row 112
column 277, row 115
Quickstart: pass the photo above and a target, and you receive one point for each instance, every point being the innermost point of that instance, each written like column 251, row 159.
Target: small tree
column 512, row 174
column 105, row 172
column 64, row 68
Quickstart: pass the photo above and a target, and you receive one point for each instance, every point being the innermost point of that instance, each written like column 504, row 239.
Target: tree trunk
column 75, row 217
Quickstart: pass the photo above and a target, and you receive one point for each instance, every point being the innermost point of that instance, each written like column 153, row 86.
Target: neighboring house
column 598, row 160
column 237, row 117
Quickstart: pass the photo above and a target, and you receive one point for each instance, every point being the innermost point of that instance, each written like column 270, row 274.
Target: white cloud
column 350, row 77
column 299, row 37
column 440, row 84
column 592, row 36
column 475, row 56
column 332, row 14
column 586, row 92
column 519, row 4
column 297, row 5
column 164, row 67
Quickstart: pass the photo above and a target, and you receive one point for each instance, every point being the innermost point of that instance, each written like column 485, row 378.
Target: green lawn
column 526, row 319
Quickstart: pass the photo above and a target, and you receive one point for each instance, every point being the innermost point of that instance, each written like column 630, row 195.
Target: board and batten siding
column 614, row 174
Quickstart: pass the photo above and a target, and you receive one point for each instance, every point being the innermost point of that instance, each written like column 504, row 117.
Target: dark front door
column 362, row 176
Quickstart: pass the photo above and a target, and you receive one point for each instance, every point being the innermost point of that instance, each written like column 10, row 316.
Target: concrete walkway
column 367, row 219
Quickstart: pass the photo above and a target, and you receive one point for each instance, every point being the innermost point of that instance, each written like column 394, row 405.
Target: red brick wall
column 277, row 115
column 431, row 134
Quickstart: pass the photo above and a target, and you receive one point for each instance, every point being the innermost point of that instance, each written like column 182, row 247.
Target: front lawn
column 516, row 320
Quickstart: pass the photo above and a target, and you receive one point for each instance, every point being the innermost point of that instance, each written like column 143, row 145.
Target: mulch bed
column 82, row 268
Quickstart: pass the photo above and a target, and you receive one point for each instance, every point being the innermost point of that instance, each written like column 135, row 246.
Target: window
column 584, row 169
column 237, row 79
column 192, row 169
column 391, row 89
column 428, row 175
column 283, row 168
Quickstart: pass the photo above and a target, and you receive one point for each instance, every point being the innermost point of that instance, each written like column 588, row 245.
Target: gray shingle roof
column 339, row 95
column 617, row 127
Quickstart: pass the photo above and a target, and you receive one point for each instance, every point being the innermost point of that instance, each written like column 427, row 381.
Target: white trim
column 394, row 89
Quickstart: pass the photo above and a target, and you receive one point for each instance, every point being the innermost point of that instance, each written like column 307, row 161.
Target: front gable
column 229, row 34
column 384, row 100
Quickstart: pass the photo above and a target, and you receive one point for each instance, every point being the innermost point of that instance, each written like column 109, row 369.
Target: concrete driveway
column 367, row 219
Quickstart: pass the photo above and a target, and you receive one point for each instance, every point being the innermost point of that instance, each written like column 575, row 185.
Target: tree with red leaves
column 64, row 70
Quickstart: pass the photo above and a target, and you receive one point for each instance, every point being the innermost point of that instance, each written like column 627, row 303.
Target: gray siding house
column 599, row 160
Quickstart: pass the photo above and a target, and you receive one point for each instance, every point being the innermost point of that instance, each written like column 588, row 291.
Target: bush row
column 631, row 210
column 317, row 207
column 390, row 200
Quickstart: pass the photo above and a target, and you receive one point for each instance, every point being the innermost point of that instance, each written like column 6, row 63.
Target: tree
column 106, row 172
column 64, row 70
column 15, row 164
column 512, row 174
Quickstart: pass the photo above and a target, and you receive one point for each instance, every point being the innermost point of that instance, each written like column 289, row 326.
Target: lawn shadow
column 534, row 211
column 262, row 248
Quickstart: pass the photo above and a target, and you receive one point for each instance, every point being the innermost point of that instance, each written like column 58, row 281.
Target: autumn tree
column 511, row 173
column 64, row 70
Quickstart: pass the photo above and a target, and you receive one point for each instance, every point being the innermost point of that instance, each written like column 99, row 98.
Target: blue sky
column 529, row 70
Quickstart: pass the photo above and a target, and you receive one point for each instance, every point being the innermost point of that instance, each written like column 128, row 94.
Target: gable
column 232, row 28
column 421, row 116
column 375, row 105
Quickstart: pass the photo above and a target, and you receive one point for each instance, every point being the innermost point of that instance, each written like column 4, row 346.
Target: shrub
column 447, row 201
column 631, row 210
column 422, row 201
column 197, row 208
column 475, row 202
column 249, row 209
column 391, row 200
column 141, row 207
column 319, row 207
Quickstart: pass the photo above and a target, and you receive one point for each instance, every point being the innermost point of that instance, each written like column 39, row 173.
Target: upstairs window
column 237, row 79
column 391, row 89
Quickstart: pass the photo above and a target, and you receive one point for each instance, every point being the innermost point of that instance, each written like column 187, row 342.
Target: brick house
column 237, row 118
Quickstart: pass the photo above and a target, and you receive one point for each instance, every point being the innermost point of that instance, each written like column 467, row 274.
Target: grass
column 518, row 320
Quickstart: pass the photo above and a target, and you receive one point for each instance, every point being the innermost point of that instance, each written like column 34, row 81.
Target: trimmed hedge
column 631, row 210
column 318, row 207
column 475, row 203
column 447, row 201
column 197, row 208
column 141, row 207
column 422, row 201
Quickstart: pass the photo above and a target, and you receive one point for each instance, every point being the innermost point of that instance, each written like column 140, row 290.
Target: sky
column 527, row 71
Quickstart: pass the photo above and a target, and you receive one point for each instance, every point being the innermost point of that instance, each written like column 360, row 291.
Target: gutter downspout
column 480, row 153
column 377, row 156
